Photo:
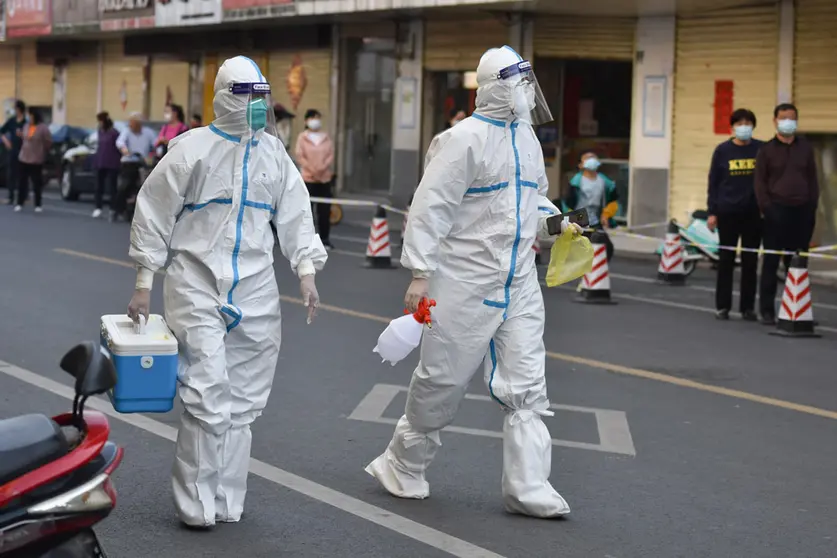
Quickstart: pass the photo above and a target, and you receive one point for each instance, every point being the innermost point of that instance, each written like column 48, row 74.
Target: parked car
column 78, row 176
column 64, row 137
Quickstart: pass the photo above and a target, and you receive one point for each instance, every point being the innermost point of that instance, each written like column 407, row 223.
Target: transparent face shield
column 527, row 100
column 251, row 112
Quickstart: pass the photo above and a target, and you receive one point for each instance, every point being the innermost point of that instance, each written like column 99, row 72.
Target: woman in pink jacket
column 173, row 127
column 314, row 154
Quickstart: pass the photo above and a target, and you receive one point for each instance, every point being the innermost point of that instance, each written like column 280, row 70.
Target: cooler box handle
column 139, row 327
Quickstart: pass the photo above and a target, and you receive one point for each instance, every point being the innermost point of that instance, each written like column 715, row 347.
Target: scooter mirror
column 92, row 369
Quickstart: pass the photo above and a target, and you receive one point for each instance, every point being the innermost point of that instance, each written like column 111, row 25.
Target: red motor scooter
column 55, row 472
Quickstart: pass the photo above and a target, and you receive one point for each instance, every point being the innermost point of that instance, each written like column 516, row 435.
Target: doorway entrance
column 370, row 80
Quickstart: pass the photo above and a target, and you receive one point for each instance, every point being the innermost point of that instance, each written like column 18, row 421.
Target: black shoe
column 749, row 316
column 768, row 319
column 722, row 314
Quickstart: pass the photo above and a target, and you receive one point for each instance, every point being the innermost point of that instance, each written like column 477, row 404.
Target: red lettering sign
column 724, row 96
column 28, row 18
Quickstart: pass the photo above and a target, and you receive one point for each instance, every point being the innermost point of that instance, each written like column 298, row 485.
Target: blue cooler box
column 146, row 364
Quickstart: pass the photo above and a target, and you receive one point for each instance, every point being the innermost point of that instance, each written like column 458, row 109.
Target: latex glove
column 139, row 305
column 310, row 296
column 415, row 292
column 712, row 223
column 574, row 229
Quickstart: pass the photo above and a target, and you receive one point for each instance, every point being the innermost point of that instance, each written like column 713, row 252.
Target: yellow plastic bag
column 571, row 257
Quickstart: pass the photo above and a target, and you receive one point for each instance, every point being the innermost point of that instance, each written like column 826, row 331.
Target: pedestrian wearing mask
column 106, row 161
column 315, row 156
column 595, row 192
column 787, row 190
column 12, row 141
column 734, row 211
column 37, row 141
column 174, row 126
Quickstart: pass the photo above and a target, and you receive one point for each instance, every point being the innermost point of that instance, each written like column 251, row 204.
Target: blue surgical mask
column 744, row 132
column 592, row 164
column 257, row 114
column 786, row 127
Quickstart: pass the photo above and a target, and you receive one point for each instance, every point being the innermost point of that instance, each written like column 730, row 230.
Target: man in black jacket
column 788, row 191
column 734, row 211
column 11, row 135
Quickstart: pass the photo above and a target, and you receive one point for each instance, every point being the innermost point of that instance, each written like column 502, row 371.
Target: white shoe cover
column 400, row 469
column 527, row 460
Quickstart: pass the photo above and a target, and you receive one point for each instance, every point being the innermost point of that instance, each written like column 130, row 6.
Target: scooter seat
column 28, row 442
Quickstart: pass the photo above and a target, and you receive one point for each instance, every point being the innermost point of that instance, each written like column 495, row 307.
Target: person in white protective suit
column 209, row 204
column 475, row 215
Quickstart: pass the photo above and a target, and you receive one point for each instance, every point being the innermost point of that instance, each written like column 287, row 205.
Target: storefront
column 584, row 67
column 368, row 72
column 452, row 50
column 123, row 81
column 815, row 93
column 168, row 83
column 301, row 80
column 724, row 60
column 79, row 59
column 8, row 81
column 35, row 80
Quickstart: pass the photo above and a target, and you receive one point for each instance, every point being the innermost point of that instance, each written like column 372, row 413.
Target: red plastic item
column 97, row 434
column 422, row 314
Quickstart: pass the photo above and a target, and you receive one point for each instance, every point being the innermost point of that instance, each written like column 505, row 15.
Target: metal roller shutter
column 8, row 69
column 738, row 45
column 570, row 37
column 122, row 82
column 168, row 77
column 316, row 65
column 815, row 81
column 456, row 45
column 82, row 91
column 35, row 87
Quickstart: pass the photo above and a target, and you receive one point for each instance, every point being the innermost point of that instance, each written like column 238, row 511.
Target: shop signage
column 177, row 13
column 723, row 106
column 28, row 18
column 237, row 10
column 126, row 14
column 75, row 16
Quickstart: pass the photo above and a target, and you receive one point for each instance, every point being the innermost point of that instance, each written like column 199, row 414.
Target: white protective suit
column 209, row 202
column 476, row 213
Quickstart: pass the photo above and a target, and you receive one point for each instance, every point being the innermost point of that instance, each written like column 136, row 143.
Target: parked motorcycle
column 699, row 243
column 131, row 177
column 55, row 473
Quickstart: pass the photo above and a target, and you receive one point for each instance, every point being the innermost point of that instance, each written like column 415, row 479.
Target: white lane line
column 344, row 502
column 648, row 280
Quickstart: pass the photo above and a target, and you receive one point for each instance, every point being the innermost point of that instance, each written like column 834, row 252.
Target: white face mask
column 314, row 124
column 524, row 101
column 167, row 116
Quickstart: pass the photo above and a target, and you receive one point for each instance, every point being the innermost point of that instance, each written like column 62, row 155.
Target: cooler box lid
column 124, row 341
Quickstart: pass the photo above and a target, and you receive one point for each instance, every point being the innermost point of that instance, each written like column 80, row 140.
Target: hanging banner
column 179, row 13
column 237, row 10
column 126, row 14
column 28, row 18
column 724, row 94
column 75, row 16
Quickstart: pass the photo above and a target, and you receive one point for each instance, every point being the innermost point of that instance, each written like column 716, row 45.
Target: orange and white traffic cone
column 671, row 270
column 595, row 285
column 796, row 315
column 378, row 249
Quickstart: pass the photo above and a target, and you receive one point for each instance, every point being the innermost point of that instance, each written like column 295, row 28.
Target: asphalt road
column 676, row 435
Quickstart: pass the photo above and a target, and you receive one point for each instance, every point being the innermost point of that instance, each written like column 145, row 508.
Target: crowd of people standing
column 27, row 141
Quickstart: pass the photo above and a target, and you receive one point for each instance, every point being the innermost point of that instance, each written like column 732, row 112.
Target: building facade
column 651, row 93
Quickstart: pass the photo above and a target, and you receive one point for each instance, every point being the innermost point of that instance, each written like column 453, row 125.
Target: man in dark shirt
column 787, row 190
column 734, row 211
column 11, row 135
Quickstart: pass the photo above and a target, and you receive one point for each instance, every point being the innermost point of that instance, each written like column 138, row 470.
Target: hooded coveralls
column 209, row 204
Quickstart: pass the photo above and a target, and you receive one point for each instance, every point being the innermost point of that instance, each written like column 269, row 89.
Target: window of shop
column 591, row 103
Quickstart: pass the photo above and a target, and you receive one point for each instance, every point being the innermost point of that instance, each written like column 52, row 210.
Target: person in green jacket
column 594, row 191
